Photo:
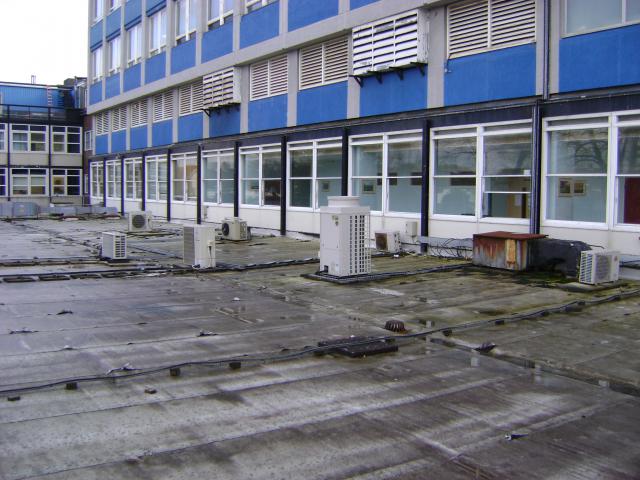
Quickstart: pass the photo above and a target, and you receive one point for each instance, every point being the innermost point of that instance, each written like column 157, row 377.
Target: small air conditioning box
column 388, row 241
column 140, row 221
column 199, row 248
column 234, row 228
column 599, row 266
column 114, row 245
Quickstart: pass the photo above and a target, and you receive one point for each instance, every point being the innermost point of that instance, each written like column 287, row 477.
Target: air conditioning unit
column 234, row 228
column 599, row 266
column 140, row 221
column 388, row 241
column 199, row 247
column 344, row 237
column 114, row 245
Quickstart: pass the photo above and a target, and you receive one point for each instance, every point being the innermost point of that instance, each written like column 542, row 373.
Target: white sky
column 45, row 38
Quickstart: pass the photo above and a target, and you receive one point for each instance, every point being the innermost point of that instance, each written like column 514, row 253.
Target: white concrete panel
column 216, row 213
column 183, row 211
column 29, row 159
column 261, row 217
column 159, row 209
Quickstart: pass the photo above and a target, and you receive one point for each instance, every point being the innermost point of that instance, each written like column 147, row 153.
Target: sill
column 209, row 204
column 505, row 220
column 454, row 218
column 626, row 227
column 600, row 29
column 569, row 224
column 260, row 207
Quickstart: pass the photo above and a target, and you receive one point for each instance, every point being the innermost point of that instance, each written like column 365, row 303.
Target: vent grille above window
column 190, row 97
column 269, row 78
column 324, row 63
column 119, row 118
column 393, row 42
column 102, row 123
column 139, row 112
column 221, row 88
column 163, row 106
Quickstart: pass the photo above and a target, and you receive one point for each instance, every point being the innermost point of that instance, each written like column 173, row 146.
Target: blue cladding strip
column 119, row 141
column 132, row 12
column 190, row 127
column 260, row 25
column 183, row 56
column 322, row 104
column 225, row 121
column 96, row 46
column 217, row 42
column 360, row 3
column 306, row 12
column 268, row 113
column 113, row 35
column 154, row 6
column 394, row 92
column 133, row 22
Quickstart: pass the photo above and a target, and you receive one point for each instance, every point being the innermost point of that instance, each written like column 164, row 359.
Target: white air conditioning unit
column 140, row 221
column 234, row 228
column 114, row 245
column 344, row 237
column 388, row 241
column 599, row 266
column 199, row 248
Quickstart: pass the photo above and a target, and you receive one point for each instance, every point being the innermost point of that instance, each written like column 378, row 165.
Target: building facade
column 41, row 142
column 447, row 118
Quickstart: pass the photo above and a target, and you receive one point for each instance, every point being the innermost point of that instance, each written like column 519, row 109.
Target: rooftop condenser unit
column 344, row 237
column 114, row 245
column 599, row 266
column 388, row 241
column 140, row 221
column 234, row 228
column 199, row 248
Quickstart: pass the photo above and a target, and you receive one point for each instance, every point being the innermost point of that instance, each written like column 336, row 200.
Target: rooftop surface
column 499, row 375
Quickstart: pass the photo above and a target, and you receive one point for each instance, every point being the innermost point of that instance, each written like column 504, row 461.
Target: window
column 190, row 98
column 386, row 171
column 186, row 18
column 252, row 5
column 260, row 169
column 315, row 173
column 157, row 32
column 96, row 64
column 478, row 26
column 495, row 158
column 66, row 139
column 119, row 118
column 28, row 138
column 102, row 123
column 184, row 175
column 628, row 176
column 97, row 9
column 97, row 179
column 217, row 176
column 114, row 179
column 3, row 182
column 156, row 171
column 66, row 181
column 163, row 106
column 88, row 141
column 3, row 130
column 269, row 77
column 134, row 44
column 587, row 15
column 28, row 181
column 324, row 63
column 139, row 113
column 113, row 4
column 218, row 11
column 114, row 55
column 221, row 88
column 133, row 178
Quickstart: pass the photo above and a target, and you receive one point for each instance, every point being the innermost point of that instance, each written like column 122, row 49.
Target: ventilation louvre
column 269, row 78
column 324, row 63
column 221, row 88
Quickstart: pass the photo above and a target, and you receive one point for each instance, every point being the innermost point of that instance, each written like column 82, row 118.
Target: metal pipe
column 50, row 156
column 168, row 184
column 8, row 176
column 546, row 39
column 283, row 185
column 143, row 174
column 536, row 169
column 236, row 179
column 345, row 162
column 199, row 186
column 122, row 185
column 424, row 204
column 104, row 182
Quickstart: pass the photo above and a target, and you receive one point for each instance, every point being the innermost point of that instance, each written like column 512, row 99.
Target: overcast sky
column 45, row 38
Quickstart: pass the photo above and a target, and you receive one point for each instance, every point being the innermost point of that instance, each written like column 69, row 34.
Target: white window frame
column 97, row 7
column 624, row 21
column 134, row 45
column 477, row 132
column 65, row 174
column 189, row 29
column 65, row 132
column 114, row 5
column 30, row 175
column 113, row 48
column 152, row 164
column 157, row 28
column 260, row 151
column 180, row 161
column 333, row 58
column 218, row 20
column 133, row 178
column 113, row 177
column 3, row 137
column 217, row 156
column 30, row 130
column 314, row 146
column 3, row 182
column 97, row 64
column 253, row 5
column 97, row 180
column 88, row 140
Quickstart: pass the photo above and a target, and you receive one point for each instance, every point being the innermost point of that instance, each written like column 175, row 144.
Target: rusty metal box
column 506, row 250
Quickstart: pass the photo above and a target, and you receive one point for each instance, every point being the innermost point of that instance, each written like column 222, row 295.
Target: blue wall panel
column 112, row 86
column 183, row 56
column 360, row 3
column 113, row 22
column 162, row 133
column 155, row 68
column 119, row 141
column 132, row 12
column 217, row 42
column 322, row 104
column 95, row 35
column 102, row 144
column 260, row 25
column 95, row 93
column 392, row 93
column 600, row 59
column 495, row 75
column 138, row 138
column 306, row 12
column 190, row 127
column 268, row 113
column 225, row 121
column 21, row 95
column 155, row 5
column 132, row 77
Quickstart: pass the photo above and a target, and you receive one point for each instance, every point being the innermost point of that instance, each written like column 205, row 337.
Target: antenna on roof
column 33, row 79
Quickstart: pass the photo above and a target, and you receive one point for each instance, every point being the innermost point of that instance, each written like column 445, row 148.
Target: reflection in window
column 156, row 172
column 184, row 170
column 261, row 172
column 315, row 172
column 455, row 176
column 217, row 176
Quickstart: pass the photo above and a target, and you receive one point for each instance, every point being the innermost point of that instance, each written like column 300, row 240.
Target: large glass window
column 96, row 64
column 133, row 178
column 66, row 139
column 628, row 178
column 97, row 179
column 28, row 138
column 157, row 32
column 586, row 15
column 3, row 182
column 261, row 171
column 184, row 176
column 114, row 55
column 28, row 181
column 114, row 179
column 219, row 12
column 65, row 181
column 134, row 44
column 217, row 176
column 455, row 176
column 366, row 173
column 3, row 129
column 97, row 8
column 156, row 171
column 186, row 18
column 577, row 175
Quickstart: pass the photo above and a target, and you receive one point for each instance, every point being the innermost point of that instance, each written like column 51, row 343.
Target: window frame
column 624, row 22
column 68, row 173
column 114, row 49
column 260, row 150
column 114, row 5
column 152, row 166
column 219, row 181
column 97, row 7
column 113, row 179
column 3, row 181
column 88, row 140
column 185, row 159
column 213, row 22
column 66, row 131
column 135, row 165
column 253, row 5
column 97, row 64
column 29, row 140
column 96, row 172
column 189, row 29
column 30, row 185
column 3, row 137
column 157, row 27
column 134, row 45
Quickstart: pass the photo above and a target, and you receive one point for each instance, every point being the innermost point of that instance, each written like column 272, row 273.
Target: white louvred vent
column 101, row 123
column 221, row 88
column 394, row 42
column 139, row 113
column 311, row 66
column 163, row 106
column 190, row 98
column 119, row 118
column 269, row 78
column 479, row 25
column 324, row 63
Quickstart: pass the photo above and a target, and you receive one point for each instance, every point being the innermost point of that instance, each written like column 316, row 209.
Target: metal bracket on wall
column 399, row 71
column 358, row 79
column 421, row 67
